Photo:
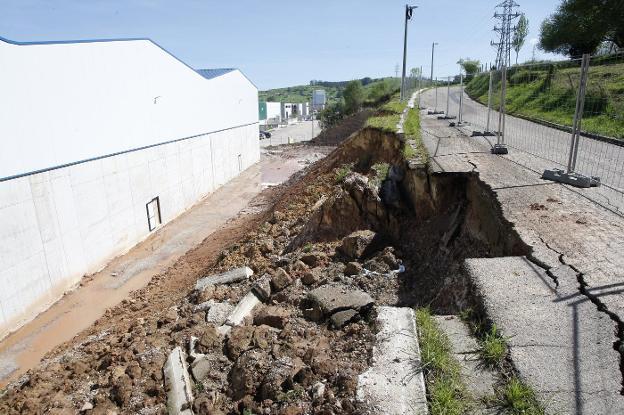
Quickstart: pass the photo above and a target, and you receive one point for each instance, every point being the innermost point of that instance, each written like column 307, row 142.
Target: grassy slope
column 551, row 96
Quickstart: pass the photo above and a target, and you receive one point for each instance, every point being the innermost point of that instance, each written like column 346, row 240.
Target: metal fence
column 569, row 114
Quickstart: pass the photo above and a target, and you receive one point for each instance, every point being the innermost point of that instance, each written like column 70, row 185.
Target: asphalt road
column 296, row 132
column 595, row 158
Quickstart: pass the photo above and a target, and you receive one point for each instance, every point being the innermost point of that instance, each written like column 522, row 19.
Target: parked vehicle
column 265, row 134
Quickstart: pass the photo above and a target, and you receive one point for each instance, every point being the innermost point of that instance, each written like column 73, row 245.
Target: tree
column 353, row 96
column 470, row 66
column 520, row 34
column 581, row 26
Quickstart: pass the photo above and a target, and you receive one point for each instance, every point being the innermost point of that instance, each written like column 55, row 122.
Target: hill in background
column 333, row 90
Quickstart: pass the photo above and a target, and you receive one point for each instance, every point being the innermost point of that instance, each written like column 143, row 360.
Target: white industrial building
column 103, row 141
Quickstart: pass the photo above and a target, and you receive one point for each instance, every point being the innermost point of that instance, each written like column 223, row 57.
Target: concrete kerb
column 394, row 384
column 234, row 275
column 178, row 383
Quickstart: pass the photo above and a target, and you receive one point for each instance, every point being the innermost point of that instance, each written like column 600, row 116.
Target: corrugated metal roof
column 213, row 73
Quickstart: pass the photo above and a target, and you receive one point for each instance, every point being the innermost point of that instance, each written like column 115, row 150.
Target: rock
column 87, row 406
column 388, row 257
column 273, row 316
column 280, row 374
column 342, row 318
column 210, row 340
column 331, row 298
column 353, row 268
column 262, row 287
column 248, row 373
column 178, row 384
column 239, row 341
column 243, row 309
column 236, row 274
column 318, row 390
column 200, row 368
column 299, row 266
column 171, row 315
column 357, row 244
column 280, row 280
column 263, row 336
column 313, row 259
column 267, row 246
column 312, row 277
column 218, row 313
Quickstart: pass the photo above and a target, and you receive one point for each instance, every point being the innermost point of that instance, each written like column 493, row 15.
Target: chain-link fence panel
column 600, row 146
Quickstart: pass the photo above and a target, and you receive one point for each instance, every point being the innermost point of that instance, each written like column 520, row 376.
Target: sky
column 283, row 43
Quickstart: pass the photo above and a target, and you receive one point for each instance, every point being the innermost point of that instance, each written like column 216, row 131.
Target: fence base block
column 447, row 117
column 482, row 134
column 458, row 124
column 499, row 149
column 573, row 179
column 435, row 112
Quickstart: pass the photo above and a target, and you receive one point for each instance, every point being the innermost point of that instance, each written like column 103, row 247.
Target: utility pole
column 396, row 70
column 408, row 15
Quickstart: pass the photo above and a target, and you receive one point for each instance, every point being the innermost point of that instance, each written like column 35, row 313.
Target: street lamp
column 408, row 15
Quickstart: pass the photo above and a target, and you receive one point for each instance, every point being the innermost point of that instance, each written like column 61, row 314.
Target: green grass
column 414, row 145
column 381, row 172
column 518, row 398
column 386, row 123
column 548, row 93
column 493, row 348
column 395, row 107
column 447, row 394
column 342, row 172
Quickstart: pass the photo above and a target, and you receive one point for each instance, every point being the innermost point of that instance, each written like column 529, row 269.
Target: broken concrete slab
column 178, row 384
column 242, row 309
column 559, row 342
column 234, row 275
column 394, row 384
column 218, row 313
column 331, row 298
column 342, row 318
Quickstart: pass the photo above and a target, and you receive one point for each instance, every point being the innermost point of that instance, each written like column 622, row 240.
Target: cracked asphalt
column 561, row 307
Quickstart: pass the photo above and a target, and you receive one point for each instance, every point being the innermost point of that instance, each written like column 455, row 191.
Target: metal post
column 435, row 107
column 432, row 51
column 578, row 114
column 500, row 147
column 448, row 94
column 461, row 96
column 404, row 53
column 487, row 127
column 419, row 87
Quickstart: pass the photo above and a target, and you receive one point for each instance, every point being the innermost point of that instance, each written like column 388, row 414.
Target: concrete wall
column 104, row 146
